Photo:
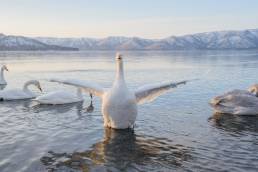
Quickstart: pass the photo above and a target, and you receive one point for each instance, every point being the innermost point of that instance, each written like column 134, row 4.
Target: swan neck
column 120, row 71
column 26, row 86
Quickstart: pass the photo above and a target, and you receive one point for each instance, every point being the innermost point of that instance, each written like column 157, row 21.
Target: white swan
column 119, row 104
column 237, row 102
column 2, row 79
column 254, row 89
column 19, row 94
column 60, row 97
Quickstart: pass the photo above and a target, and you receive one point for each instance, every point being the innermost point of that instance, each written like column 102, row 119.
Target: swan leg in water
column 119, row 104
column 90, row 108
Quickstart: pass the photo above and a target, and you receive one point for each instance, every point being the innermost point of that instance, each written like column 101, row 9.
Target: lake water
column 176, row 132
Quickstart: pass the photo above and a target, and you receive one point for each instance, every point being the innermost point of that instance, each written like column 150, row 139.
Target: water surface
column 178, row 131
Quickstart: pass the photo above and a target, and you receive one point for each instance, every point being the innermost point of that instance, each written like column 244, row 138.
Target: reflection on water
column 25, row 105
column 122, row 150
column 171, row 134
column 38, row 108
column 2, row 87
column 235, row 123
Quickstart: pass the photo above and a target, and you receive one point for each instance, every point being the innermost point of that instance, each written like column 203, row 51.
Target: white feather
column 60, row 97
column 150, row 92
column 237, row 102
column 93, row 88
column 19, row 94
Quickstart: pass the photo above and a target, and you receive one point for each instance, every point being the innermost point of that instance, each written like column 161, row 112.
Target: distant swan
column 2, row 79
column 60, row 97
column 237, row 102
column 19, row 94
column 119, row 104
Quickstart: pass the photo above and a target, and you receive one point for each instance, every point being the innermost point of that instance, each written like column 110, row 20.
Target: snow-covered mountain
column 109, row 43
column 20, row 43
column 247, row 39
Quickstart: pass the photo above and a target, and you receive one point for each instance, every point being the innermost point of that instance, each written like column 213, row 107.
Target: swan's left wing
column 90, row 87
column 148, row 93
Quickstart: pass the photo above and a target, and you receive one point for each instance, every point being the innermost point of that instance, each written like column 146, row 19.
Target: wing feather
column 150, row 92
column 90, row 87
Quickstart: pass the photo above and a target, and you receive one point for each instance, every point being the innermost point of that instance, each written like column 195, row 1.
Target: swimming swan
column 254, row 89
column 60, row 97
column 2, row 79
column 237, row 102
column 19, row 94
column 119, row 104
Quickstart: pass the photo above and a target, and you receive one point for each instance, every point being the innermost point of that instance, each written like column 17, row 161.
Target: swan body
column 119, row 104
column 2, row 78
column 236, row 102
column 119, row 107
column 20, row 94
column 60, row 97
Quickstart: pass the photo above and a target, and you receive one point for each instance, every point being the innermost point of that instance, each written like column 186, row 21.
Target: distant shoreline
column 222, row 40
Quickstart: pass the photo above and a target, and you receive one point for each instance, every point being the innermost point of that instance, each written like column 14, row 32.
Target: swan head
column 254, row 90
column 34, row 82
column 119, row 57
column 4, row 67
column 38, row 86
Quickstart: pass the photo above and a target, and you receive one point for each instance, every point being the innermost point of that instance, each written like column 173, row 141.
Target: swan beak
column 40, row 89
column 119, row 56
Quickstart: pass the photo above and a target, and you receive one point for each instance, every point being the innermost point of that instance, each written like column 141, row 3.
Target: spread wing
column 90, row 87
column 150, row 92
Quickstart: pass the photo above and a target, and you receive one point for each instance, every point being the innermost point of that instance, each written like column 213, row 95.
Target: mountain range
column 220, row 40
column 21, row 43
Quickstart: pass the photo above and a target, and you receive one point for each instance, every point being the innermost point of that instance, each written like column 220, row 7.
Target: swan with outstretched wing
column 119, row 104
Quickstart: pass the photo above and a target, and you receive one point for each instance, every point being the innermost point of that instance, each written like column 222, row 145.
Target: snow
column 209, row 40
column 246, row 39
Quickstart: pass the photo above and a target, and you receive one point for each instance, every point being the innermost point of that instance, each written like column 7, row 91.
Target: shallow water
column 177, row 131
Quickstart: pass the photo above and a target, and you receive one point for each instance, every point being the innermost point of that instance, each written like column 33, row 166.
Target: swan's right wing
column 90, row 87
column 148, row 93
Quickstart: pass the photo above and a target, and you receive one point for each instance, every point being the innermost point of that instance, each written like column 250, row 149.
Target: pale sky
column 142, row 18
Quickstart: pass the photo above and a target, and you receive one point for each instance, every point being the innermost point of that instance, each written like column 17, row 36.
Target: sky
column 141, row 18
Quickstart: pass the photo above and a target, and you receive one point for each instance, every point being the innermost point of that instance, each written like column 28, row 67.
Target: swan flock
column 119, row 104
